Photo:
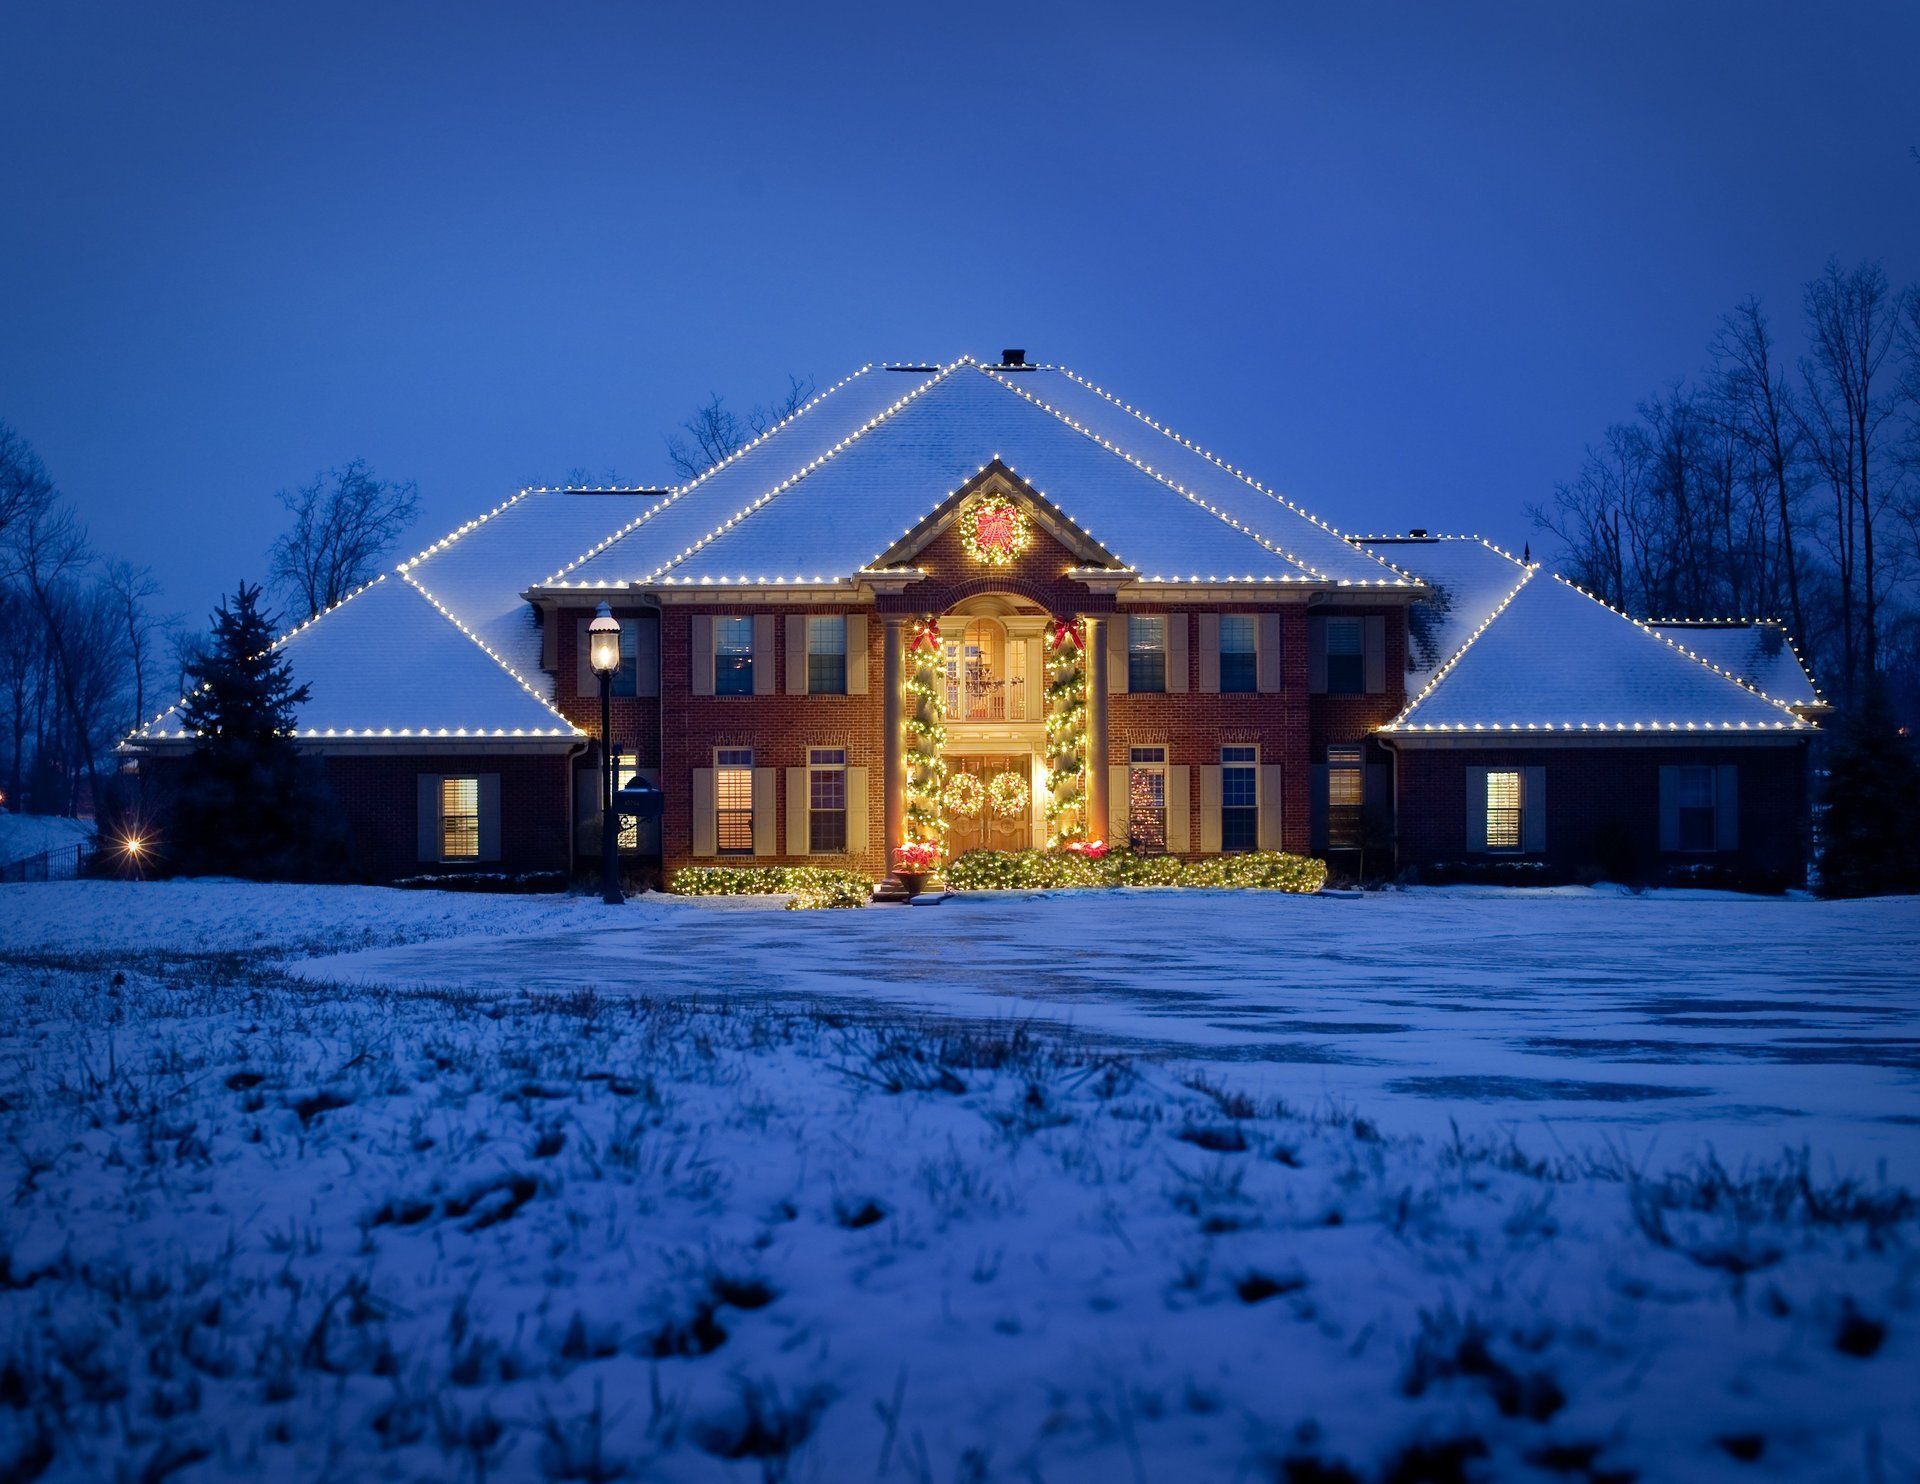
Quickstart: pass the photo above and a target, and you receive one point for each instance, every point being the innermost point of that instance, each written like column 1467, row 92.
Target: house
column 996, row 603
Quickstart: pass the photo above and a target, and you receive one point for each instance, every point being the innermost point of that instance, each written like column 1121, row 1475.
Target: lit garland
column 1009, row 795
column 964, row 794
column 994, row 531
column 924, row 720
column 810, row 886
column 1066, row 732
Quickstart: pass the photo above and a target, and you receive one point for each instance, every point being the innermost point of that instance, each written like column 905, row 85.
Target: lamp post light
column 603, row 654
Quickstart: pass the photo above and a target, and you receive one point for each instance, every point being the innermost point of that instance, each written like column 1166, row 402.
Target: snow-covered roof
column 1470, row 577
column 1760, row 651
column 388, row 663
column 1554, row 659
column 822, row 496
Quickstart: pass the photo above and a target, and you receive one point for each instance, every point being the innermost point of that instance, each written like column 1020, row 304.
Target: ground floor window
column 460, row 818
column 733, row 801
column 1695, row 787
column 1503, row 809
column 1147, row 799
column 827, row 801
column 1346, row 795
column 1239, row 798
column 626, row 768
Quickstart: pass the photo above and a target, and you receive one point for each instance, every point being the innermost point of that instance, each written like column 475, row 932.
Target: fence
column 60, row 863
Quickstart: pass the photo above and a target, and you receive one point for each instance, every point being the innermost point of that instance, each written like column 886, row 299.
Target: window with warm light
column 1346, row 657
column 827, row 656
column 827, row 800
column 1346, row 796
column 733, row 800
column 626, row 768
column 732, row 656
column 1239, row 662
column 1147, row 800
column 1504, row 799
column 1239, row 798
column 1146, row 652
column 460, row 818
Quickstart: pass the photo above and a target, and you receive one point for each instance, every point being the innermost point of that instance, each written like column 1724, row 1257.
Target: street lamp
column 603, row 654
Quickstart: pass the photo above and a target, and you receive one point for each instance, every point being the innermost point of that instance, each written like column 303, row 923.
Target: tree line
column 1775, row 482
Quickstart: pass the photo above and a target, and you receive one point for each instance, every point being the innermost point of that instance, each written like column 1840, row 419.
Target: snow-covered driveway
column 1666, row 1022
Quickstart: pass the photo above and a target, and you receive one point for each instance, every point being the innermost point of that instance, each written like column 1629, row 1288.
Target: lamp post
column 603, row 654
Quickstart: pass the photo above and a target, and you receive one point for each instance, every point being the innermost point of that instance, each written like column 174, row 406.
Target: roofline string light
column 488, row 650
column 1211, row 457
column 693, row 484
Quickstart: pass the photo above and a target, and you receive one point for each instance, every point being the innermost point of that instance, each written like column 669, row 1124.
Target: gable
column 958, row 519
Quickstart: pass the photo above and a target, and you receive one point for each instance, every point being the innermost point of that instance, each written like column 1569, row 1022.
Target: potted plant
column 913, row 863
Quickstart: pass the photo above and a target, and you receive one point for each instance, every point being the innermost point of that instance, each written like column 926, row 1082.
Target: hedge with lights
column 810, row 886
column 1066, row 732
column 1031, row 870
column 924, row 720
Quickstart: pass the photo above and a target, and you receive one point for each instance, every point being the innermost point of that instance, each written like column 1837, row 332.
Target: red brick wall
column 1593, row 790
column 1350, row 718
column 636, row 719
column 380, row 799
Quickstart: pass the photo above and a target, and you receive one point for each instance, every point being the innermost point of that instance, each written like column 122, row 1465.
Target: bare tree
column 715, row 432
column 131, row 587
column 343, row 523
column 1757, row 403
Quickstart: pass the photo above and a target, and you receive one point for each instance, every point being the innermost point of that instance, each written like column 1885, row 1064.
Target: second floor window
column 626, row 679
column 827, row 656
column 1239, row 798
column 1239, row 663
column 827, row 800
column 733, row 800
column 1146, row 652
column 732, row 656
column 1346, row 657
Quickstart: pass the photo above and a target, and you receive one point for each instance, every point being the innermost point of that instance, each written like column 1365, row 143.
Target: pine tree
column 1872, row 814
column 248, row 803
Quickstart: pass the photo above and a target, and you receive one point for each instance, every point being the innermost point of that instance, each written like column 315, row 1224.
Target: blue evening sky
column 1401, row 261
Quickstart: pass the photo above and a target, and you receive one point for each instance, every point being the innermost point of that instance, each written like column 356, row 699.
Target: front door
column 1009, row 827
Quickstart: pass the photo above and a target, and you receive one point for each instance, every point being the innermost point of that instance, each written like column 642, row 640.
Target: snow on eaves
column 1759, row 651
column 1552, row 659
column 1469, row 577
column 388, row 663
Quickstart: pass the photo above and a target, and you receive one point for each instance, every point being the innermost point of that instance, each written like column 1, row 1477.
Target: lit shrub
column 810, row 886
column 1034, row 870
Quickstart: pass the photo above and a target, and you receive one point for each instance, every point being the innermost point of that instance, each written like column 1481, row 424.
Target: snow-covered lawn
column 23, row 835
column 261, row 1225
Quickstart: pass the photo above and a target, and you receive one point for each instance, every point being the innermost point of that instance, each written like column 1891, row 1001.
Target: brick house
column 950, row 537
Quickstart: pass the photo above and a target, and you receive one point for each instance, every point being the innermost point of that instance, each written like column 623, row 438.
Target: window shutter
column 489, row 817
column 799, row 811
column 1177, row 652
column 1118, row 810
column 1210, row 810
column 797, row 654
column 427, row 787
column 1208, row 680
column 1267, row 655
column 585, row 682
column 856, row 654
column 1726, row 808
column 766, row 824
column 1116, row 627
column 1179, row 810
column 1316, row 656
column 706, row 828
column 646, row 655
column 1374, row 628
column 1272, row 806
column 700, row 646
column 764, row 640
column 1376, row 798
column 856, row 811
column 1533, row 810
column 1476, row 811
column 1669, row 809
column 1317, row 806
column 550, row 627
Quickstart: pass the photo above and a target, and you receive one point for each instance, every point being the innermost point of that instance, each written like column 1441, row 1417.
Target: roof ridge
column 1526, row 576
column 1213, row 458
column 1176, row 487
column 458, row 531
column 760, row 501
column 674, row 494
column 484, row 647
column 1647, row 629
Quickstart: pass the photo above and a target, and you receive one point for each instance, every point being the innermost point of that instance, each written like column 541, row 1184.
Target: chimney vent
column 1013, row 358
column 1419, row 533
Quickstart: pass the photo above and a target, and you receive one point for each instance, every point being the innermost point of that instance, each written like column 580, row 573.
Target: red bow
column 926, row 637
column 1066, row 632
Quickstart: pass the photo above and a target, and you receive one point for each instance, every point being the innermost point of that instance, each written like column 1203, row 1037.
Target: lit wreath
column 1008, row 794
column 964, row 794
column 995, row 531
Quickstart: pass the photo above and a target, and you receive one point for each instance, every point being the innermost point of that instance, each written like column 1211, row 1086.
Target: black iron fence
column 57, row 863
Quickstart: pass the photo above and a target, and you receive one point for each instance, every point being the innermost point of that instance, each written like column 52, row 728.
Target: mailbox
column 639, row 799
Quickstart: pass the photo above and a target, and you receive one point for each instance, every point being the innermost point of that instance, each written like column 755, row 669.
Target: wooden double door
column 987, row 829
